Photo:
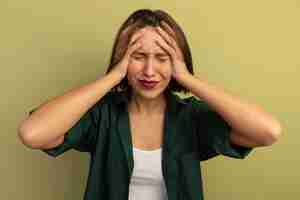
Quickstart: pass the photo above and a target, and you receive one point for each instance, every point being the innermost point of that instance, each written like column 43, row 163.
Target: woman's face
column 151, row 63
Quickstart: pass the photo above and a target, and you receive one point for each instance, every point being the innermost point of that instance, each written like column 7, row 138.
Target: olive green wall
column 251, row 48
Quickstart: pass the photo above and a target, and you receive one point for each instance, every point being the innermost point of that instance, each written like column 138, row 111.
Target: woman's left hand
column 170, row 45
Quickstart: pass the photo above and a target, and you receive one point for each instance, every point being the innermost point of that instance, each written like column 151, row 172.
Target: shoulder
column 113, row 100
column 197, row 104
column 199, row 109
column 202, row 111
column 109, row 97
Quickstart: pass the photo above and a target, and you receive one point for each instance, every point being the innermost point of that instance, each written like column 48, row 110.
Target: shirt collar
column 172, row 100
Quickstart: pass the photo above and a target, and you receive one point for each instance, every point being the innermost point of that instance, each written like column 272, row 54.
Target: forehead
column 149, row 36
column 148, row 31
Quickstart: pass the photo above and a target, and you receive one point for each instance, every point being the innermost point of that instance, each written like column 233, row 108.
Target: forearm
column 56, row 116
column 245, row 118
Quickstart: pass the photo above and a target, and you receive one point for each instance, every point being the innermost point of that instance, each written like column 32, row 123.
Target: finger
column 132, row 48
column 168, row 29
column 126, row 40
column 126, row 34
column 169, row 50
column 171, row 41
column 135, row 38
column 125, row 44
column 165, row 36
column 129, row 28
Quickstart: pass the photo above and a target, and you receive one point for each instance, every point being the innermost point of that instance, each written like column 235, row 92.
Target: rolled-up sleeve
column 214, row 133
column 84, row 133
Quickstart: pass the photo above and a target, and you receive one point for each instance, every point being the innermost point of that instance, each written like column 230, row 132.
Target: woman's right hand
column 122, row 66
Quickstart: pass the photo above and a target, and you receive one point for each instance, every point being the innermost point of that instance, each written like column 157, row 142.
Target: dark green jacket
column 193, row 132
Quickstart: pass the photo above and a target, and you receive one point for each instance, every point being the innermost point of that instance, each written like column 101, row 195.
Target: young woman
column 144, row 141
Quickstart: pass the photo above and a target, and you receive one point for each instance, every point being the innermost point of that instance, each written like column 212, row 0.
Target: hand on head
column 166, row 40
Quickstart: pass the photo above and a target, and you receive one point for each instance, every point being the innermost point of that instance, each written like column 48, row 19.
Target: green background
column 251, row 48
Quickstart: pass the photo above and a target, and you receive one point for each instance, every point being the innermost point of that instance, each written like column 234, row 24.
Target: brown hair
column 138, row 20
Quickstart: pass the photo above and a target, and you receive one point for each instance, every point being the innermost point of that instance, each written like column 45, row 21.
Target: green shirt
column 193, row 132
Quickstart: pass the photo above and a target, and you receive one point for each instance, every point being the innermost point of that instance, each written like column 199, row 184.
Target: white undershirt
column 147, row 181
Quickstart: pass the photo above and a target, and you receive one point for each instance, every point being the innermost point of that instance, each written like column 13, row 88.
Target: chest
column 146, row 132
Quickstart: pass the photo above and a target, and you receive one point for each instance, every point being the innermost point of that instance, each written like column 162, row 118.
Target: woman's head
column 143, row 21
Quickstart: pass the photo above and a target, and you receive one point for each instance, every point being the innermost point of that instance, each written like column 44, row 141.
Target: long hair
column 138, row 20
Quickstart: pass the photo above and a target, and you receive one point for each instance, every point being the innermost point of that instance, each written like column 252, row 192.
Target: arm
column 250, row 124
column 54, row 143
column 46, row 126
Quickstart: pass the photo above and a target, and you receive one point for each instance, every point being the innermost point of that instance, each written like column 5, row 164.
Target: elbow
column 273, row 136
column 27, row 139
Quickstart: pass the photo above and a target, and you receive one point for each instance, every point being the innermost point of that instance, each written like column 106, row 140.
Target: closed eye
column 163, row 58
column 138, row 56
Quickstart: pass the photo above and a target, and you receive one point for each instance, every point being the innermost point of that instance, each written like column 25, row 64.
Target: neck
column 140, row 105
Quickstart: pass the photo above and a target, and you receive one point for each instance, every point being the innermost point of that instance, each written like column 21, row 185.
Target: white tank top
column 147, row 181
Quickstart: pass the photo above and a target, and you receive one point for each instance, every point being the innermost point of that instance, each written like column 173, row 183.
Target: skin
column 152, row 54
column 251, row 125
column 149, row 62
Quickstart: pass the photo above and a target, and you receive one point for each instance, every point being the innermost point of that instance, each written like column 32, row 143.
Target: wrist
column 117, row 74
column 181, row 77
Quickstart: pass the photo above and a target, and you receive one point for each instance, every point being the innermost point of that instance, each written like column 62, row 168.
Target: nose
column 149, row 68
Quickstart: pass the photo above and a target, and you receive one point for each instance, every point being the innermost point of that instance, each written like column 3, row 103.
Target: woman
column 146, row 142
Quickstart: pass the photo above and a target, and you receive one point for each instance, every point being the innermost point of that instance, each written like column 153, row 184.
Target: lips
column 148, row 84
